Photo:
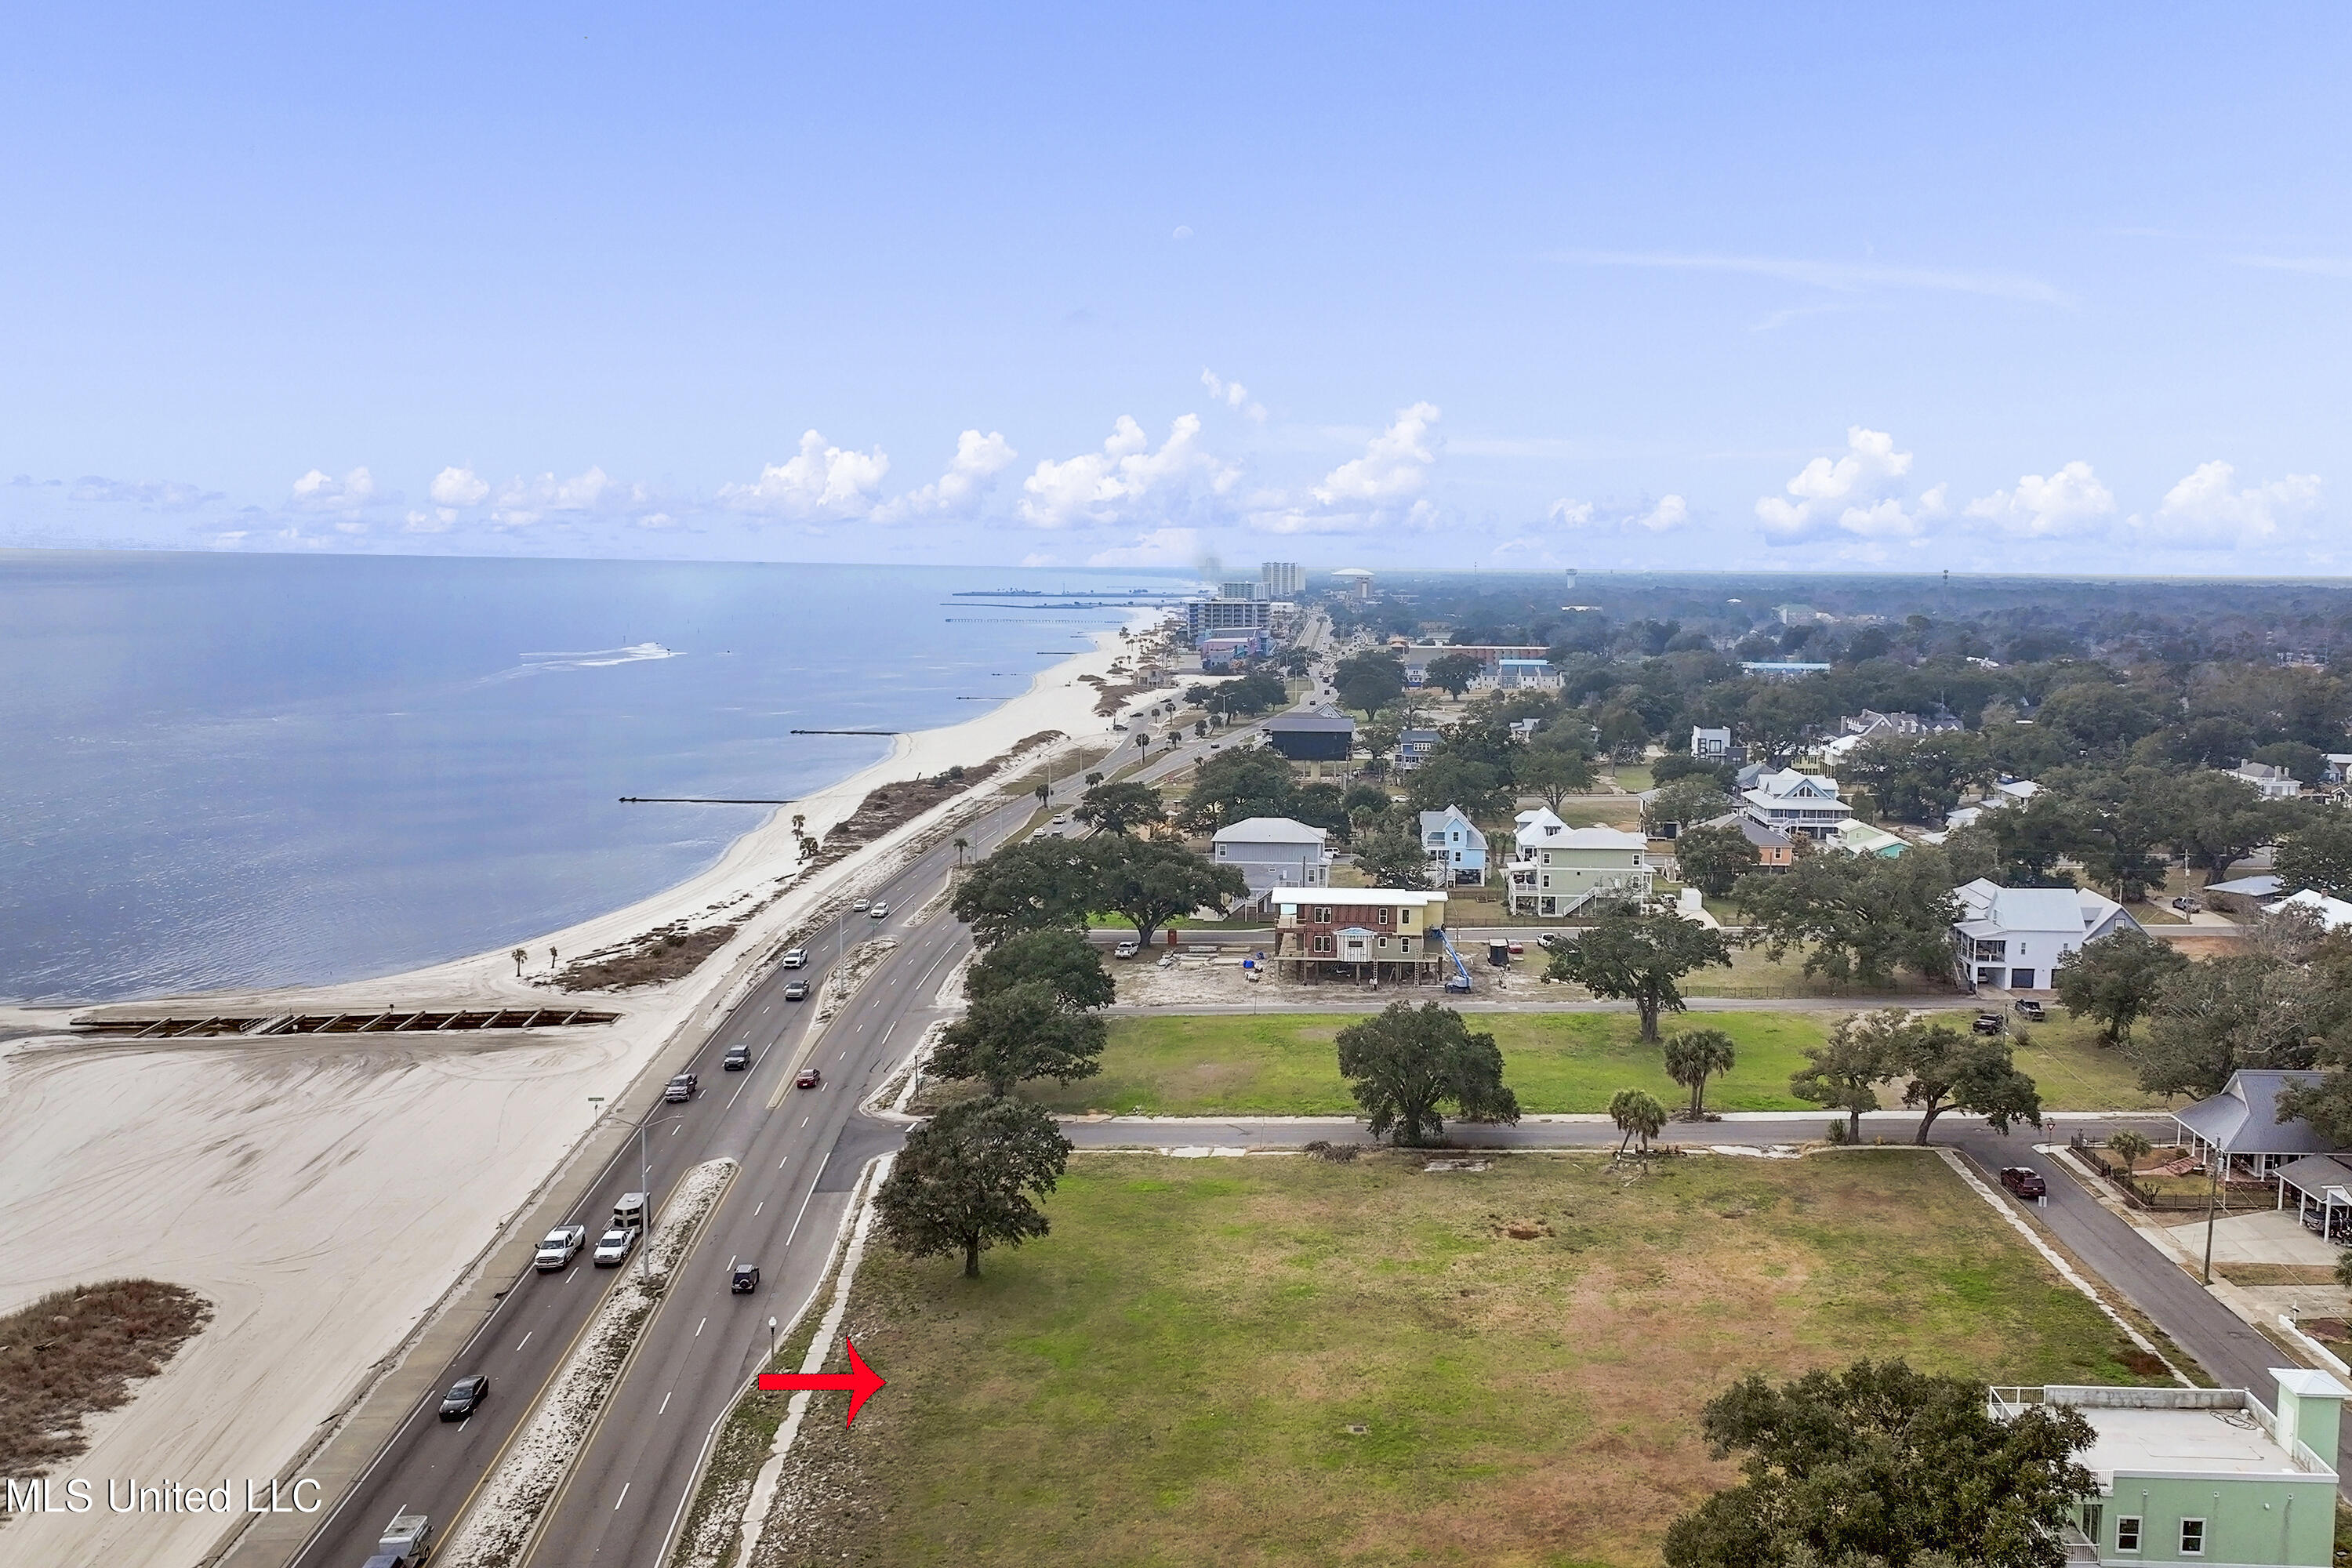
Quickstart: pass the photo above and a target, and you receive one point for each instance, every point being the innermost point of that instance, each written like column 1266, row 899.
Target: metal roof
column 2243, row 1117
column 1269, row 830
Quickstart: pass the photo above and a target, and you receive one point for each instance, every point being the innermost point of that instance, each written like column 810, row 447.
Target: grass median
column 1273, row 1360
column 1287, row 1063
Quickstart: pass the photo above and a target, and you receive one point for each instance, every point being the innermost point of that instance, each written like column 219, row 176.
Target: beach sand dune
column 325, row 1192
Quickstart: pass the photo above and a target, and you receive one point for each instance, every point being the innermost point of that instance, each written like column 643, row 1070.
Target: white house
column 2014, row 937
column 1558, row 867
column 1456, row 850
column 1797, row 803
column 1273, row 852
column 1710, row 745
column 2276, row 783
column 2334, row 914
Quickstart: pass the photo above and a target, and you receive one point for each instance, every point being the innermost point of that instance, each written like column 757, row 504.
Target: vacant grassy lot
column 1225, row 1064
column 1272, row 1361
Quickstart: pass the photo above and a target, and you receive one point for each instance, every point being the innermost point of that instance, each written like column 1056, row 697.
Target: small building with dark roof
column 1320, row 735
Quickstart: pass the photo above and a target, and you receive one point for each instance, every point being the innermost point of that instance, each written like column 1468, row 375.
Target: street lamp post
column 2213, row 1192
column 772, row 1340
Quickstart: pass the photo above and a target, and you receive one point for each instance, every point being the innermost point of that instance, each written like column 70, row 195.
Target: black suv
column 684, row 1086
column 465, row 1397
column 739, row 1056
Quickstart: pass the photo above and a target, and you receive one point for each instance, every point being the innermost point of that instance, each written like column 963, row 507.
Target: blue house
column 1413, row 747
column 1457, row 850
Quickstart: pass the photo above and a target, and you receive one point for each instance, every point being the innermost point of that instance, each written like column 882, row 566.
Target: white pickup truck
column 406, row 1541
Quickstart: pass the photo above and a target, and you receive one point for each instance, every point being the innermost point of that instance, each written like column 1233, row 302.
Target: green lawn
column 1286, row 1063
column 1274, row 1361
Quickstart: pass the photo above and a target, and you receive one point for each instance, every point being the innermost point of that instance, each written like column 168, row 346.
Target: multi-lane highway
column 799, row 1154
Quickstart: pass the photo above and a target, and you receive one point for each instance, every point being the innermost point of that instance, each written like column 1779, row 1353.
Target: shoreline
column 270, row 1174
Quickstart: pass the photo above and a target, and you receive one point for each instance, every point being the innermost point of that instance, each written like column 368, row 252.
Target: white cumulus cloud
column 1381, row 487
column 458, row 487
column 520, row 502
column 957, row 492
column 1234, row 396
column 818, row 483
column 1126, row 481
column 320, row 491
column 2063, row 505
column 437, row 520
column 1859, row 495
column 1566, row 514
column 1671, row 512
column 2207, row 511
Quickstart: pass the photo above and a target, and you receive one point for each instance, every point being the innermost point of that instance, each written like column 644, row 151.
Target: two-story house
column 2202, row 1475
column 1795, row 802
column 1414, row 748
column 1273, row 852
column 1710, row 745
column 1557, row 869
column 2275, row 783
column 2014, row 937
column 1393, row 931
column 1456, row 850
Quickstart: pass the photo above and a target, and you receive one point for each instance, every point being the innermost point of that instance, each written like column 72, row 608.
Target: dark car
column 809, row 1078
column 465, row 1397
column 744, row 1279
column 796, row 992
column 2028, row 1008
column 738, row 1058
column 684, row 1086
column 1989, row 1023
column 2024, row 1181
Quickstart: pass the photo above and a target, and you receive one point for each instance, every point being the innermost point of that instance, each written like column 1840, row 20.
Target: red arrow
column 861, row 1381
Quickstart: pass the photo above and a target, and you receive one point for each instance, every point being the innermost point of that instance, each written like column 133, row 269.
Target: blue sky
column 1988, row 288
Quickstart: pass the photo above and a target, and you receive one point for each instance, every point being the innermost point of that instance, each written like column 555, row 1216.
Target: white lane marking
column 843, row 1057
column 739, row 1089
column 782, row 1163
column 894, row 1025
column 567, row 1278
column 468, row 1421
column 522, row 1342
column 625, row 1492
column 802, row 1215
column 665, row 1405
column 758, row 1207
column 699, row 1327
column 805, row 1121
column 676, row 1129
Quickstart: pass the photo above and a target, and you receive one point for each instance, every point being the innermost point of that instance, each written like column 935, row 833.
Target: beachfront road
column 799, row 1153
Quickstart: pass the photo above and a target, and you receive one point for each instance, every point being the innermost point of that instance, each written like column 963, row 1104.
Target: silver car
column 561, row 1246
column 613, row 1248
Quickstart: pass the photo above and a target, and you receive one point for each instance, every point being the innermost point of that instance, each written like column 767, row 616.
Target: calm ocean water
column 252, row 770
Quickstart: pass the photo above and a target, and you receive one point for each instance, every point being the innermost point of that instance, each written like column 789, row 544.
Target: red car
column 2024, row 1181
column 809, row 1078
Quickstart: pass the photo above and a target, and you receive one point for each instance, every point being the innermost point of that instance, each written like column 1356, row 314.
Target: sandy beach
column 325, row 1192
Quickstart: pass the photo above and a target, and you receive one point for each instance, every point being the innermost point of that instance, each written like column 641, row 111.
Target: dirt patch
column 1111, row 696
column 75, row 1353
column 894, row 806
column 2276, row 1273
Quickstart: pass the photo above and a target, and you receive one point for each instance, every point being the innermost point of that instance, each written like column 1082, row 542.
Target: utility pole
column 2213, row 1192
column 644, row 1192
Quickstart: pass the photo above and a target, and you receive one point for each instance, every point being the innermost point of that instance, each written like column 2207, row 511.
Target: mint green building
column 2204, row 1476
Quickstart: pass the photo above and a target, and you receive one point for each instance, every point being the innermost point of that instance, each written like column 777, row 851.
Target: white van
column 629, row 1213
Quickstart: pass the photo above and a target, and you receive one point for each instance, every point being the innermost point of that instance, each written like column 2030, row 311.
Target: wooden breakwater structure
column 383, row 1021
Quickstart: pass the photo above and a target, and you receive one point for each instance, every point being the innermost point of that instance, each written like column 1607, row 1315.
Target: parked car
column 2027, row 1007
column 1127, row 948
column 612, row 1248
column 465, row 1397
column 559, row 1248
column 796, row 992
column 1989, row 1023
column 2024, row 1181
column 744, row 1279
column 2186, row 906
column 684, row 1087
column 809, row 1078
column 1519, row 948
column 738, row 1058
column 877, row 910
column 796, row 958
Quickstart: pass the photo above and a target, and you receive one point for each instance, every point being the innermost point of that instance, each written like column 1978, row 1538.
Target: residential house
column 1414, row 748
column 1796, row 802
column 2334, row 914
column 1397, row 931
column 2014, row 938
column 1710, row 745
column 1775, row 850
column 1871, row 723
column 1859, row 837
column 1557, row 869
column 2242, row 1125
column 2337, row 769
column 2243, row 895
column 2202, row 1475
column 1997, row 797
column 1318, row 735
column 1457, row 850
column 2275, row 783
column 1525, row 674
column 1273, row 852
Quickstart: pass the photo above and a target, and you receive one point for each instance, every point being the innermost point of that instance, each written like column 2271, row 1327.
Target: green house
column 2204, row 1476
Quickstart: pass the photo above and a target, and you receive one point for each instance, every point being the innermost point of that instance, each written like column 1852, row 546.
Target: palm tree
column 1143, row 740
column 518, row 955
column 1044, row 794
column 2130, row 1148
column 1637, row 1113
column 960, row 845
column 1693, row 1057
